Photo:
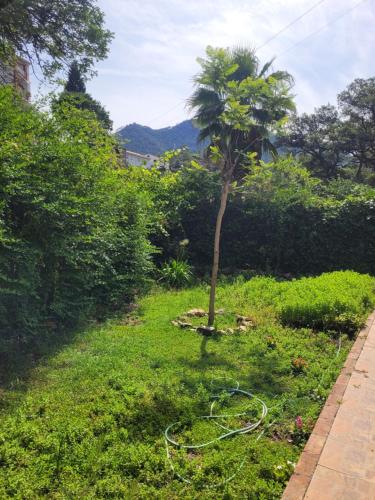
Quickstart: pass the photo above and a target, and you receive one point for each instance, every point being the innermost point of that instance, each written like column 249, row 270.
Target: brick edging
column 305, row 468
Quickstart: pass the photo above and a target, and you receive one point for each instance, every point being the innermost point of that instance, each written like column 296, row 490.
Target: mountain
column 141, row 139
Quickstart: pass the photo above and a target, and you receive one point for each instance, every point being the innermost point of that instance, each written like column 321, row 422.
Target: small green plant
column 271, row 342
column 283, row 471
column 349, row 323
column 301, row 430
column 299, row 365
column 176, row 273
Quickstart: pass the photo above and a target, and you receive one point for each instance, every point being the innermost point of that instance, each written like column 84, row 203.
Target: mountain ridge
column 146, row 140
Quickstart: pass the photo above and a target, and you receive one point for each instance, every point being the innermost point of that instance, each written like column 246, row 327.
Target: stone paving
column 338, row 462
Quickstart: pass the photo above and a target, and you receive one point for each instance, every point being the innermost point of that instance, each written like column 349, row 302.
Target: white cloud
column 153, row 57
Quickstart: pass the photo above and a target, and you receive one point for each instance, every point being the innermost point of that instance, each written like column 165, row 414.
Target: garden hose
column 169, row 441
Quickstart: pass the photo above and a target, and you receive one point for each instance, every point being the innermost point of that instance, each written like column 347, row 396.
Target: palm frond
column 282, row 76
column 203, row 97
column 247, row 62
column 265, row 68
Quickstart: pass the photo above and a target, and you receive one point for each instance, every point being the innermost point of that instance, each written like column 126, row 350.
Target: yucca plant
column 176, row 273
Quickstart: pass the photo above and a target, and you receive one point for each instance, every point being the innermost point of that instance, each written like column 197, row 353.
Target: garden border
column 305, row 468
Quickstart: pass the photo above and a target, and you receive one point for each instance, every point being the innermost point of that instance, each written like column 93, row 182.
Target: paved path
column 338, row 462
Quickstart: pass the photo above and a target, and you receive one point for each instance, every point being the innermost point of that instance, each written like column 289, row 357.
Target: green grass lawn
column 88, row 421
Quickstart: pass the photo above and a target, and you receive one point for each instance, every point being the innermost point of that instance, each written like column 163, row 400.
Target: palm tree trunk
column 215, row 264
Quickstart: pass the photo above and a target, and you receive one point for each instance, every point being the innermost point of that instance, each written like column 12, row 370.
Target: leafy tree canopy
column 52, row 34
column 316, row 137
column 73, row 229
column 338, row 141
column 75, row 82
column 357, row 107
column 238, row 103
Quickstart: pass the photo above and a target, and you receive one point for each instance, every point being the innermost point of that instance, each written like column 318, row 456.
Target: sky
column 149, row 72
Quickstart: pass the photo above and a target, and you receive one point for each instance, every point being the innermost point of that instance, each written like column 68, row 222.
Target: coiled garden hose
column 169, row 441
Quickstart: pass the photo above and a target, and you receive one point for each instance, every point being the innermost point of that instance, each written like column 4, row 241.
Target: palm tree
column 237, row 105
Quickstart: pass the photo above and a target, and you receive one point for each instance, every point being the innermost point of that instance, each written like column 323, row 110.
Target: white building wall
column 138, row 160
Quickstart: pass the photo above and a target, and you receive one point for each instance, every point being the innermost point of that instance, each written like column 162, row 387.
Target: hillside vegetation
column 142, row 139
column 89, row 421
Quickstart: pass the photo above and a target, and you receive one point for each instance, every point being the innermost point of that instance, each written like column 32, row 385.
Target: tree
column 316, row 138
column 237, row 104
column 357, row 107
column 75, row 82
column 52, row 34
column 75, row 95
column 338, row 141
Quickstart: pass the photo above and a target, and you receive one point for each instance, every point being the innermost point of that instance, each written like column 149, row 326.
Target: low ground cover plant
column 332, row 302
column 89, row 420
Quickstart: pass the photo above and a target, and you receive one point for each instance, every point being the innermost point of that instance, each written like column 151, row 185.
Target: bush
column 333, row 301
column 73, row 228
column 282, row 221
column 176, row 273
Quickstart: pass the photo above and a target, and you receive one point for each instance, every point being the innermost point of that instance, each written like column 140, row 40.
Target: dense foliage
column 238, row 103
column 91, row 424
column 333, row 302
column 53, row 34
column 73, row 230
column 282, row 220
column 338, row 142
column 75, row 94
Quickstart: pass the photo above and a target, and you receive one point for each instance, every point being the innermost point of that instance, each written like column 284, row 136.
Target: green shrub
column 336, row 301
column 73, row 228
column 281, row 221
column 176, row 273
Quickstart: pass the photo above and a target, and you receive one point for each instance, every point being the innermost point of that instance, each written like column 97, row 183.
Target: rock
column 242, row 328
column 206, row 330
column 230, row 331
column 182, row 324
column 197, row 313
column 241, row 319
column 130, row 320
column 245, row 321
column 221, row 332
column 220, row 311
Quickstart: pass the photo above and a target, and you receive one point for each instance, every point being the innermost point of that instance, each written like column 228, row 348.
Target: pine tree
column 75, row 81
column 74, row 94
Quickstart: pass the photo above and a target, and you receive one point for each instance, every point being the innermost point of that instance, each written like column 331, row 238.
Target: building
column 18, row 75
column 140, row 160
